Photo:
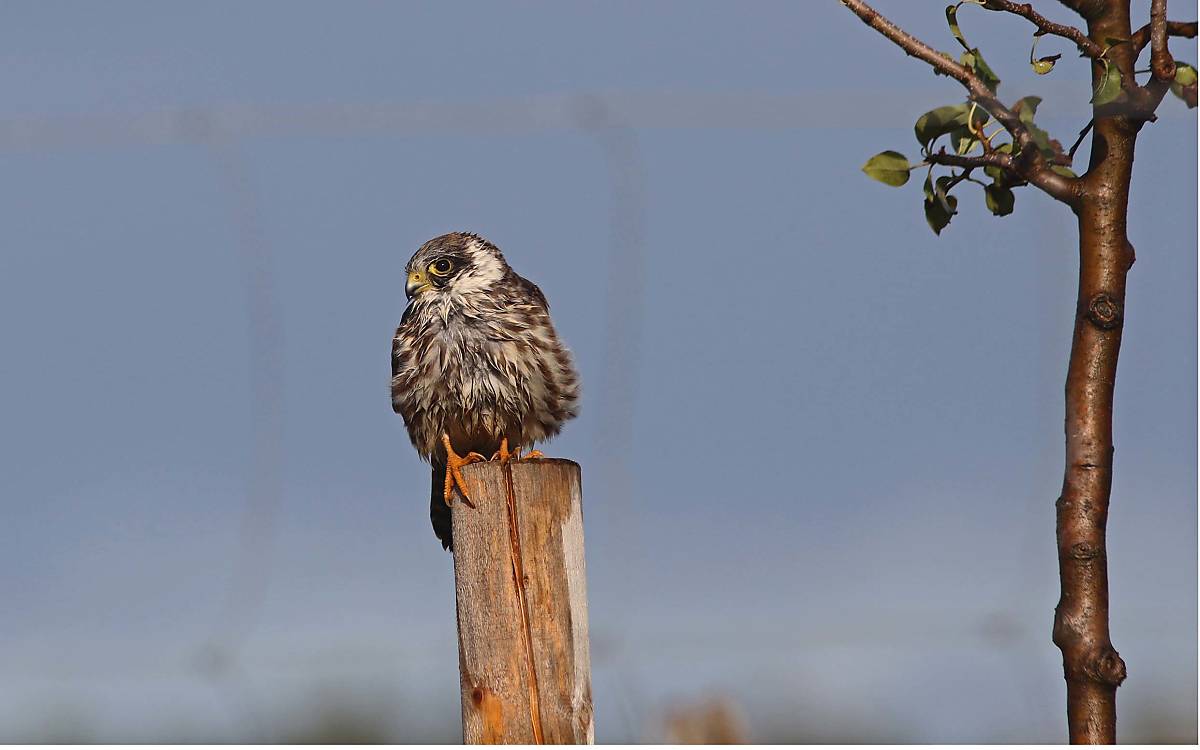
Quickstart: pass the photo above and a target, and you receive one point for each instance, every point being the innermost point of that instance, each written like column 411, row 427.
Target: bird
column 478, row 369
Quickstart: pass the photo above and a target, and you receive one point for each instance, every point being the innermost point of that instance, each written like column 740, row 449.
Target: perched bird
column 477, row 367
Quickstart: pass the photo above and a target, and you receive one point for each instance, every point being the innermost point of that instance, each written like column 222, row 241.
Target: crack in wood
column 519, row 581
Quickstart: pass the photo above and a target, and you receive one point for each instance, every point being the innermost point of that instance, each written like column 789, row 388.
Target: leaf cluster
column 964, row 127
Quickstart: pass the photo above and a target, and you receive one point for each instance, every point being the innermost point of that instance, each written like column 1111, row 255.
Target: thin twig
column 993, row 159
column 1141, row 37
column 912, row 46
column 1046, row 26
column 1082, row 134
column 1161, row 62
column 984, row 139
column 1030, row 165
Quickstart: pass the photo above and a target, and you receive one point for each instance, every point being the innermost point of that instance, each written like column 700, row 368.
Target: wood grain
column 521, row 587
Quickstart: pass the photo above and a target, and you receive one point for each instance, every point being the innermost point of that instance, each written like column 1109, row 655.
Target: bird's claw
column 504, row 455
column 454, row 477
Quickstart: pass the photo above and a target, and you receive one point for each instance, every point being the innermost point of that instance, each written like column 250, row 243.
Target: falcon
column 478, row 371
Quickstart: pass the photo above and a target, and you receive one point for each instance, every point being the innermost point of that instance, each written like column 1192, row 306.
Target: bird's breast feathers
column 501, row 371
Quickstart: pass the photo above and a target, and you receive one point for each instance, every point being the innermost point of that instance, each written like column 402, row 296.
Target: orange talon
column 454, row 477
column 503, row 454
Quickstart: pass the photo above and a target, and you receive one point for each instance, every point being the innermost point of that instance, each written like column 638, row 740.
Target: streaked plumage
column 477, row 358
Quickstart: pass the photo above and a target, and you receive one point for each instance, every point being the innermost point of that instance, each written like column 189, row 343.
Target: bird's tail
column 439, row 512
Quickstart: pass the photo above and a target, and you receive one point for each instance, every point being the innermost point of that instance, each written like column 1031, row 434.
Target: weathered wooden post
column 521, row 587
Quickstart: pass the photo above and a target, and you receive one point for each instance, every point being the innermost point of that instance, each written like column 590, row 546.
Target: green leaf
column 1026, row 108
column 1110, row 85
column 889, row 167
column 1184, row 85
column 952, row 20
column 937, row 216
column 1185, row 74
column 999, row 199
column 945, row 120
column 939, row 206
column 1064, row 171
column 1044, row 65
column 1041, row 65
column 962, row 140
column 942, row 191
column 938, row 122
column 1047, row 145
column 973, row 59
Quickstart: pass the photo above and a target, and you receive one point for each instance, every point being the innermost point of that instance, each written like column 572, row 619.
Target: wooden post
column 521, row 587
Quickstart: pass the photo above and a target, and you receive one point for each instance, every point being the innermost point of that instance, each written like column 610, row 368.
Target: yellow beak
column 417, row 283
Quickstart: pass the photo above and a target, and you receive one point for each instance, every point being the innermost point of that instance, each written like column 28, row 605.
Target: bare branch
column 1161, row 62
column 1029, row 165
column 1046, row 26
column 1145, row 99
column 1067, row 189
column 1152, row 95
column 912, row 46
column 1082, row 134
column 1086, row 45
column 940, row 62
column 1141, row 37
column 992, row 159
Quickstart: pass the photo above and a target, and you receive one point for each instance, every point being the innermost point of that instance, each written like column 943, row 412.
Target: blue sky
column 820, row 446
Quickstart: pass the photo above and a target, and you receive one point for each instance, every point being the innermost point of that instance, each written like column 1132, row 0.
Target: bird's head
column 454, row 264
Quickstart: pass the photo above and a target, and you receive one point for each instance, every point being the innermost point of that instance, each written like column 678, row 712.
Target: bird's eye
column 441, row 267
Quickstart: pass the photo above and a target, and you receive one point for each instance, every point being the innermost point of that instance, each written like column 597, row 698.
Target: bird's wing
column 396, row 366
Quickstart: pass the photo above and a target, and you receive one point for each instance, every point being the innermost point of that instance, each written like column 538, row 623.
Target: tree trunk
column 1092, row 667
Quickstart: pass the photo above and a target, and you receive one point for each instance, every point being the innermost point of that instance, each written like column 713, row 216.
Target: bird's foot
column 504, row 455
column 454, row 477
